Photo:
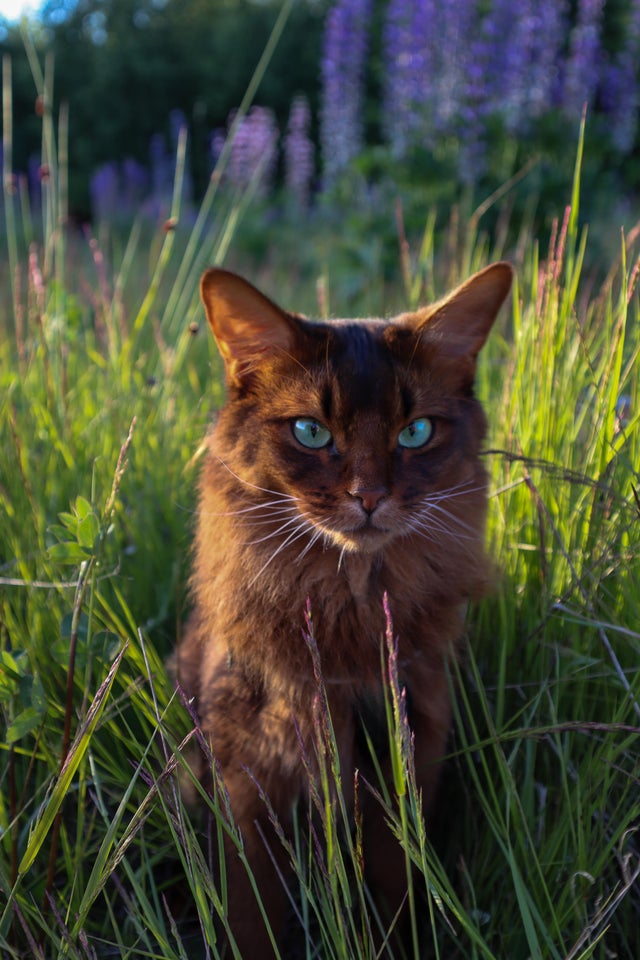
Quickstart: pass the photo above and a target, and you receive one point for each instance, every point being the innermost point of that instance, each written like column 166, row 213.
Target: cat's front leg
column 254, row 744
column 257, row 899
column 387, row 870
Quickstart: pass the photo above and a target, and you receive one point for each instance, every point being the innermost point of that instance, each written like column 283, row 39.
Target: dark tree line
column 125, row 66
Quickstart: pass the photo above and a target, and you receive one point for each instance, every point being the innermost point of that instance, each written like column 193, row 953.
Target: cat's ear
column 460, row 323
column 247, row 326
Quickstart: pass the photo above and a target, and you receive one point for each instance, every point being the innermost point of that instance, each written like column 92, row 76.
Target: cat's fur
column 279, row 522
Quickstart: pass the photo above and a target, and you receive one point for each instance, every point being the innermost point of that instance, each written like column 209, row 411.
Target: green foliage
column 105, row 391
column 190, row 56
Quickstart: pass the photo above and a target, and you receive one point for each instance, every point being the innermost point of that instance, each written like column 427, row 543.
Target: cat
column 343, row 466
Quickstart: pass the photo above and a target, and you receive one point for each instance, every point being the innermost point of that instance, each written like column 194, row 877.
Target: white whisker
column 435, row 531
column 317, row 535
column 254, row 486
column 270, row 508
column 465, row 488
column 433, row 520
column 301, row 530
column 435, row 513
column 294, row 522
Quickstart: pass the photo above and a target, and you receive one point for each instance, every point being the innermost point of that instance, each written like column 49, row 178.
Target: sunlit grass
column 105, row 391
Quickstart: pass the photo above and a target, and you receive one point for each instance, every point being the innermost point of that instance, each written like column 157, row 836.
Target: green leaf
column 8, row 687
column 9, row 665
column 83, row 508
column 88, row 530
column 24, row 723
column 73, row 553
column 38, row 698
column 12, row 673
column 69, row 521
column 61, row 532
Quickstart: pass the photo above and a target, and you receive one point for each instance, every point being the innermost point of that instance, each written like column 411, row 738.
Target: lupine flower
column 458, row 106
column 105, row 191
column 620, row 94
column 253, row 151
column 432, row 92
column 343, row 61
column 451, row 34
column 585, row 58
column 531, row 49
column 162, row 174
column 117, row 190
column 34, row 185
column 298, row 153
column 409, row 66
column 135, row 184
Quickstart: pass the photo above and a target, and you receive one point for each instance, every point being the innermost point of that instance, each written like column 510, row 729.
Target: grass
column 105, row 392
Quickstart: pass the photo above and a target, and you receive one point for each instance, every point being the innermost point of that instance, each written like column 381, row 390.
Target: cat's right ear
column 247, row 326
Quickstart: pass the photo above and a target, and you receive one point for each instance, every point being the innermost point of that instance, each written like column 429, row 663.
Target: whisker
column 300, row 531
column 465, row 488
column 437, row 514
column 432, row 527
column 271, row 508
column 436, row 532
column 317, row 535
column 254, row 486
column 292, row 521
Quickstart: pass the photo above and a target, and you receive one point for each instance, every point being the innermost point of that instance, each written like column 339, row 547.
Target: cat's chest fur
column 362, row 574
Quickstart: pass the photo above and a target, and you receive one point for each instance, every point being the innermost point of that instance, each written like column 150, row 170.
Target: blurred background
column 364, row 100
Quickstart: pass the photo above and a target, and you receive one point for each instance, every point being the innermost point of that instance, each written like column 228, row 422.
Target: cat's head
column 356, row 432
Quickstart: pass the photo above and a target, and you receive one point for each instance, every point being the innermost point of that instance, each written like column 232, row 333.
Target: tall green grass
column 105, row 390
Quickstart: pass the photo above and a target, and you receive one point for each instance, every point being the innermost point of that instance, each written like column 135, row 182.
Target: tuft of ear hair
column 246, row 325
column 461, row 321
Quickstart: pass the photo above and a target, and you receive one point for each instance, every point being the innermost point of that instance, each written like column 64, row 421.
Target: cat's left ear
column 247, row 326
column 460, row 323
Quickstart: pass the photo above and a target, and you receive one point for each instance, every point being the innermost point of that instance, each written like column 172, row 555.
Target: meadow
column 108, row 381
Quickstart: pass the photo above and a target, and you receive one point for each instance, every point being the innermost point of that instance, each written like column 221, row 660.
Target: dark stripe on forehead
column 359, row 346
column 365, row 365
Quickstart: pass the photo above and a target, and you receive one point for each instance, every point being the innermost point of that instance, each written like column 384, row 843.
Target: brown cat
column 344, row 464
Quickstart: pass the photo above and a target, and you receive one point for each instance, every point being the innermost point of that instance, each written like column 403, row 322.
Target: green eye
column 310, row 433
column 416, row 434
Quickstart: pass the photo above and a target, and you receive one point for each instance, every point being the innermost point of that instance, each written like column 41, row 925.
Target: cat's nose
column 369, row 499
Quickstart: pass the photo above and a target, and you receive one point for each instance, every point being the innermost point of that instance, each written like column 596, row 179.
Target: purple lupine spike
column 549, row 22
column 461, row 99
column 455, row 27
column 105, row 191
column 584, row 64
column 432, row 92
column 409, row 67
column 162, row 173
column 537, row 37
column 486, row 85
column 342, row 69
column 620, row 91
column 299, row 153
column 519, row 53
column 34, row 184
column 254, row 150
column 135, row 185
